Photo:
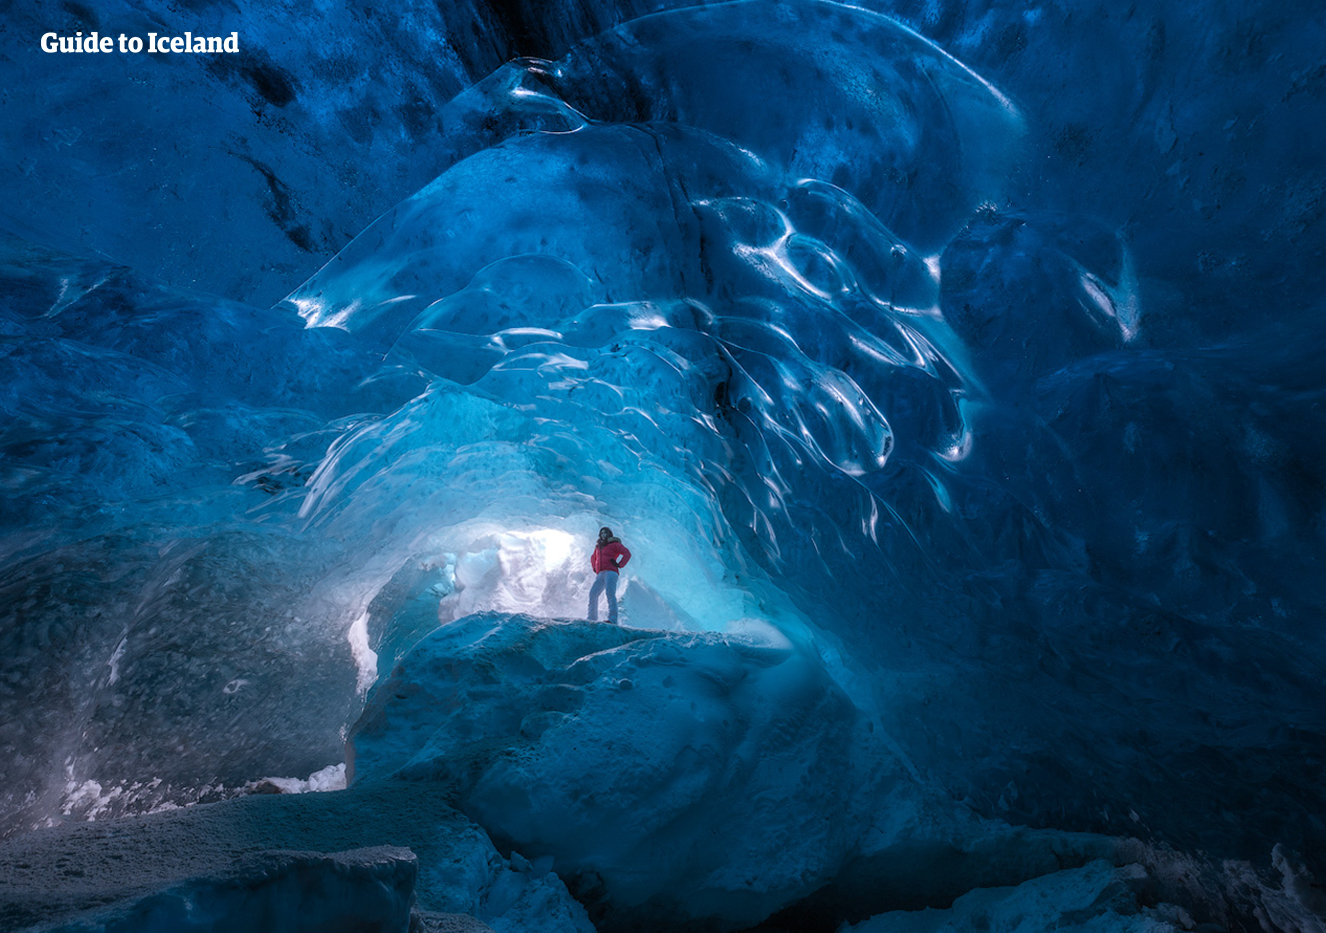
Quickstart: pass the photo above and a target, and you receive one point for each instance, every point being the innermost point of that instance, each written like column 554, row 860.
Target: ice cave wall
column 1190, row 124
column 1104, row 615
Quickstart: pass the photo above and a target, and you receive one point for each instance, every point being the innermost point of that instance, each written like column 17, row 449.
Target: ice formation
column 950, row 370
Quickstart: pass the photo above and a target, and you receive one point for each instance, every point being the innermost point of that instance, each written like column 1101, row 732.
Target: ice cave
column 952, row 370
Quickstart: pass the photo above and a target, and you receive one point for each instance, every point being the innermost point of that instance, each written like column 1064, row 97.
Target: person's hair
column 604, row 529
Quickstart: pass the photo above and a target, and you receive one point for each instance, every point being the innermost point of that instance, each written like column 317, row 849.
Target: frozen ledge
column 387, row 861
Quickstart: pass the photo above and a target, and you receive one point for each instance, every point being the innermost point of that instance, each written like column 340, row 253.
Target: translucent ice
column 901, row 414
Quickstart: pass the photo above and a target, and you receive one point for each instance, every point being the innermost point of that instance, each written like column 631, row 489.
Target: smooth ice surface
column 951, row 369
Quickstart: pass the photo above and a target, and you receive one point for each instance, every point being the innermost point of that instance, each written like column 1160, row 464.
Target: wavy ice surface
column 748, row 283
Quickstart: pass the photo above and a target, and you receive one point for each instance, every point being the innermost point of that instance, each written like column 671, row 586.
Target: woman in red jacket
column 609, row 557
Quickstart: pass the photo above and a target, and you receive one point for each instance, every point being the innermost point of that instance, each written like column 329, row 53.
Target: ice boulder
column 298, row 892
column 358, row 860
column 1096, row 898
column 682, row 776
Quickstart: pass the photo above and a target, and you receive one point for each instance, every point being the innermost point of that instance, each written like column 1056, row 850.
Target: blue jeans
column 606, row 580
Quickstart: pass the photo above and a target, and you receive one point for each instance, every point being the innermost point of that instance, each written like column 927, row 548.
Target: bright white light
column 932, row 263
column 366, row 659
column 556, row 546
column 528, row 571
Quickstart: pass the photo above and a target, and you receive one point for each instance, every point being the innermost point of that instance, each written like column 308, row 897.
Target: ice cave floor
column 675, row 781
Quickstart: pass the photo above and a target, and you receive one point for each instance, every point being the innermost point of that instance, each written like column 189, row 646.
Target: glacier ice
column 1092, row 898
column 291, row 862
column 686, row 776
column 950, row 370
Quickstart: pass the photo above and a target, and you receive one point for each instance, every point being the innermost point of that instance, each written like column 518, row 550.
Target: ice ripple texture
column 635, row 244
column 743, row 282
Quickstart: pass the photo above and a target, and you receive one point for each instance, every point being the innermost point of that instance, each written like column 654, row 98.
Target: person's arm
column 625, row 556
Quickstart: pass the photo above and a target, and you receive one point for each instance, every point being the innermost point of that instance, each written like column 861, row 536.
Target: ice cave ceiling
column 952, row 369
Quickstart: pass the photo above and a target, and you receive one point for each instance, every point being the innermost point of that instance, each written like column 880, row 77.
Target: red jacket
column 605, row 556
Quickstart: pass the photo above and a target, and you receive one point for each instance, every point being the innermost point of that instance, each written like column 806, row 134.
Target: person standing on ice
column 609, row 557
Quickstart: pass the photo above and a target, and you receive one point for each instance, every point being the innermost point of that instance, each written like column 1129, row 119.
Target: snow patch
column 366, row 659
column 329, row 778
